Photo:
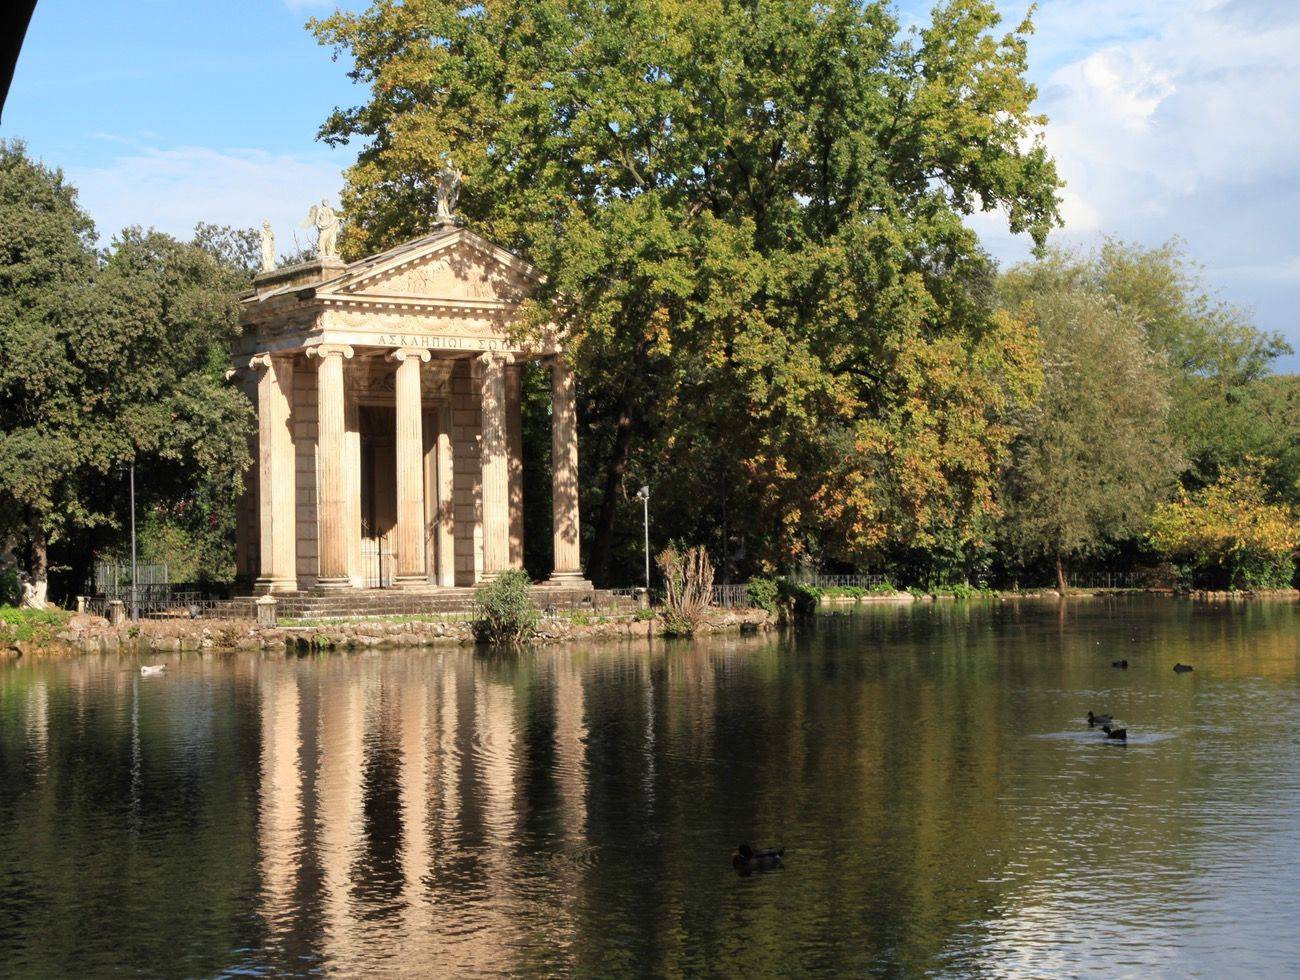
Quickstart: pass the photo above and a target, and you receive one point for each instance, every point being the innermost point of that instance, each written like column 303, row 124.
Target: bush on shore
column 506, row 613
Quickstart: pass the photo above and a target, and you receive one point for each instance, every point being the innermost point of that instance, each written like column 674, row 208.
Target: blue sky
column 1168, row 117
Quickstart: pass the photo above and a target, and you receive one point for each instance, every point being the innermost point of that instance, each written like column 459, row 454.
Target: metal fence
column 113, row 579
column 840, row 581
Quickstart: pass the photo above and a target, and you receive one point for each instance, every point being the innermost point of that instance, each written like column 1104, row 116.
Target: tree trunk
column 602, row 541
column 1061, row 585
column 36, row 588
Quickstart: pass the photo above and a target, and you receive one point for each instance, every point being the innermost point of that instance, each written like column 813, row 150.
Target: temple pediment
column 448, row 291
column 454, row 268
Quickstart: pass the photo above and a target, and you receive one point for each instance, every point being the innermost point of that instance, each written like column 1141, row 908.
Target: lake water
column 944, row 806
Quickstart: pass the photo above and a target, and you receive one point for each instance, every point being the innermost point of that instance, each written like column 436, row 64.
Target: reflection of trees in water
column 572, row 810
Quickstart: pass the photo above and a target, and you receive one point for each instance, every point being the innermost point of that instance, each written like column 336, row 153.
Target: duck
column 1183, row 668
column 1094, row 720
column 148, row 669
column 1118, row 734
column 1121, row 664
column 746, row 859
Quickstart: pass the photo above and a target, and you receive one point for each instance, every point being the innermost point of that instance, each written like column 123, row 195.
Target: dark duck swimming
column 1116, row 734
column 1095, row 720
column 746, row 859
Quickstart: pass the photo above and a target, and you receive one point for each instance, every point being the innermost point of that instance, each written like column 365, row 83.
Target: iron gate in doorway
column 378, row 559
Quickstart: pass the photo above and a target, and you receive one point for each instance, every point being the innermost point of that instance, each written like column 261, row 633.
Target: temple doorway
column 377, row 424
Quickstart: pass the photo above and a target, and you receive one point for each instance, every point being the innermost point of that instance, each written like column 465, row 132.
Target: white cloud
column 1177, row 118
column 174, row 188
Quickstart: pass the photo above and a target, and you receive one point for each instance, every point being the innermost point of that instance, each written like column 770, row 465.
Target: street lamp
column 643, row 495
column 135, row 593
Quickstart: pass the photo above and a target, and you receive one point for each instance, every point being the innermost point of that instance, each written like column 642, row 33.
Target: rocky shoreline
column 83, row 633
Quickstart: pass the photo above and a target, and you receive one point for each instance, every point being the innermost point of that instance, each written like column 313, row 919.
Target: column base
column 416, row 581
column 263, row 585
column 333, row 583
column 567, row 580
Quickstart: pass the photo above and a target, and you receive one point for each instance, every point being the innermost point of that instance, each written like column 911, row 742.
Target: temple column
column 277, row 530
column 495, row 466
column 332, row 524
column 446, row 527
column 412, row 570
column 515, row 462
column 564, row 476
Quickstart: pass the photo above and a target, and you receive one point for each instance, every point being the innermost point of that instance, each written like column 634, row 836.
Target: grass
column 26, row 625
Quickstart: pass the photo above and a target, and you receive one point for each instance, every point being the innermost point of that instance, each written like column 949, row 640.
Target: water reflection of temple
column 395, row 802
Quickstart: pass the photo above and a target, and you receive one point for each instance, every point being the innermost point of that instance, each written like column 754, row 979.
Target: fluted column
column 495, row 466
column 277, row 527
column 515, row 461
column 564, row 475
column 332, row 485
column 412, row 571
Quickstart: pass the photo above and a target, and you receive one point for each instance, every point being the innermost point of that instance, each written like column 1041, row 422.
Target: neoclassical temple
column 389, row 441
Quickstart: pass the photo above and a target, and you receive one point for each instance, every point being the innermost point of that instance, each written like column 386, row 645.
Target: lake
column 943, row 804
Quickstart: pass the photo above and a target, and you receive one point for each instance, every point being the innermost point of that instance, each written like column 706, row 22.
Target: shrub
column 645, row 614
column 28, row 625
column 688, row 586
column 9, row 591
column 798, row 598
column 844, row 592
column 764, row 593
column 506, row 614
column 885, row 587
column 1228, row 535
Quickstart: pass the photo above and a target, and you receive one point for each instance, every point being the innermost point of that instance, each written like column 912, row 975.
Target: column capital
column 323, row 351
column 259, row 362
column 400, row 354
column 495, row 357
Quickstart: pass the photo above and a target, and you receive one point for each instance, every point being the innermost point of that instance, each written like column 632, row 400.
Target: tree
column 1094, row 453
column 750, row 221
column 1230, row 534
column 107, row 362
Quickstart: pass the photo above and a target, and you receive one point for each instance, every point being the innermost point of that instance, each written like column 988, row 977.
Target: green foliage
column 30, row 625
column 750, row 218
column 764, row 593
column 109, row 359
column 1229, row 534
column 9, row 590
column 506, row 613
column 798, row 598
column 644, row 615
column 844, row 592
column 1094, row 452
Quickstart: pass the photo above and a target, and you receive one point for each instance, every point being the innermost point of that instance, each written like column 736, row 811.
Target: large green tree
column 1094, row 453
column 750, row 217
column 109, row 360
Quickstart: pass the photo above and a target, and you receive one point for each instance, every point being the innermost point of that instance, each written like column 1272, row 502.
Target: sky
column 1167, row 118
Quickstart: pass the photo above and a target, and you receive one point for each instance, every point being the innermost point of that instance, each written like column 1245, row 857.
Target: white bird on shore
column 147, row 669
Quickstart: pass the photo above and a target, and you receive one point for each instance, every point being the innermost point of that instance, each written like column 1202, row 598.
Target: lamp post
column 644, row 496
column 135, row 602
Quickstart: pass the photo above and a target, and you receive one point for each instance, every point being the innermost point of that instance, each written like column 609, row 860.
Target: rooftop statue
column 268, row 247
column 326, row 222
column 448, row 192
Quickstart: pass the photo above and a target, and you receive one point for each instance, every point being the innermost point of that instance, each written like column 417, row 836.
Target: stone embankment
column 92, row 634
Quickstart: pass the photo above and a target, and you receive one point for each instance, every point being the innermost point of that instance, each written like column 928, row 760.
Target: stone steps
column 312, row 605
